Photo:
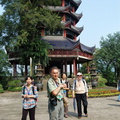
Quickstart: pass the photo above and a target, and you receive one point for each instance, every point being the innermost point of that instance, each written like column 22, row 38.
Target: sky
column 100, row 18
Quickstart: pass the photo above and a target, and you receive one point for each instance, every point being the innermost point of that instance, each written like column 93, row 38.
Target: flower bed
column 99, row 93
column 103, row 93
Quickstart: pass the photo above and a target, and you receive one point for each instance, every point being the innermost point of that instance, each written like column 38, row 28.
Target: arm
column 35, row 93
column 57, row 90
column 86, row 89
column 67, row 86
column 73, row 92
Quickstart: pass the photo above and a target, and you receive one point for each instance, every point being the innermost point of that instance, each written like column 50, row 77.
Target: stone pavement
column 107, row 108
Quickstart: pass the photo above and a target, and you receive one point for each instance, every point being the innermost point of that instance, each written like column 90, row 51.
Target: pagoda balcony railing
column 69, row 54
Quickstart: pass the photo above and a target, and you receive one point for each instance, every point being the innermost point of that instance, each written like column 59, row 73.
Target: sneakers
column 86, row 115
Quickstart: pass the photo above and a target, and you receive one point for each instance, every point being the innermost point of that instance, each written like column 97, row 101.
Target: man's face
column 55, row 73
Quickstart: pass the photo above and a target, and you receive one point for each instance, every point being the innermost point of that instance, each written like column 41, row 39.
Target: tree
column 4, row 64
column 107, row 57
column 4, row 68
column 21, row 24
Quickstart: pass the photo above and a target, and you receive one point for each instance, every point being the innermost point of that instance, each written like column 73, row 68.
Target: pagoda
column 67, row 50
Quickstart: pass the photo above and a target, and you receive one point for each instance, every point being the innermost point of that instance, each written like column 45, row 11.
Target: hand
column 73, row 96
column 25, row 96
column 62, row 85
column 86, row 95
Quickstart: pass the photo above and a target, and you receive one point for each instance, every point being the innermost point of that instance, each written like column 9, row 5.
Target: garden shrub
column 1, row 89
column 14, row 85
column 87, row 77
column 101, row 81
column 15, row 89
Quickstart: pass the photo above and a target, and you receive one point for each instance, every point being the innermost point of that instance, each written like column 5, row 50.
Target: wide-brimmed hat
column 79, row 73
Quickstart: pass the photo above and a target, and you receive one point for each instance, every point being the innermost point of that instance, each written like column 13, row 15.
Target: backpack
column 32, row 91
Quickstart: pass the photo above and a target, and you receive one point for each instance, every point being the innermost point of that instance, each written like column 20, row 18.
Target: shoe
column 79, row 117
column 66, row 116
column 86, row 115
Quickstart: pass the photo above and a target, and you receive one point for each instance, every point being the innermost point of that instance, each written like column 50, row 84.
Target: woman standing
column 65, row 91
column 29, row 95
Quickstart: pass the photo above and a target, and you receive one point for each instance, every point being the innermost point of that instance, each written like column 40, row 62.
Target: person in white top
column 80, row 92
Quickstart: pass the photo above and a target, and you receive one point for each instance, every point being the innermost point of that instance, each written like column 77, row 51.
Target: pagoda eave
column 70, row 54
column 75, row 30
column 76, row 3
column 77, row 16
column 59, row 8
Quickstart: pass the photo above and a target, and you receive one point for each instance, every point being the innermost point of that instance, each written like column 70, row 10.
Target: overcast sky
column 100, row 18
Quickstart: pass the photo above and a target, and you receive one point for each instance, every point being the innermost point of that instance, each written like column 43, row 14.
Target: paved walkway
column 107, row 108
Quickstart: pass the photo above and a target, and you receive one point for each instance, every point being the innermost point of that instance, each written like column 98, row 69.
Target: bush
column 1, row 89
column 14, row 85
column 101, row 81
column 15, row 89
column 4, row 81
column 87, row 77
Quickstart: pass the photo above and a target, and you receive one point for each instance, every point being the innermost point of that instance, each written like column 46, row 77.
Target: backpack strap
column 32, row 90
column 83, row 81
column 24, row 90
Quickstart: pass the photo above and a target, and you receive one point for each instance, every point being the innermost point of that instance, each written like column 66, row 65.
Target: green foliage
column 1, row 89
column 21, row 25
column 87, row 77
column 15, row 89
column 14, row 83
column 107, row 57
column 4, row 64
column 101, row 81
column 4, row 81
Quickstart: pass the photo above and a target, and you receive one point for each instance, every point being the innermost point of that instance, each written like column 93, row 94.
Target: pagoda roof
column 87, row 49
column 77, row 30
column 60, row 42
column 66, row 23
column 76, row 2
column 77, row 15
column 64, row 43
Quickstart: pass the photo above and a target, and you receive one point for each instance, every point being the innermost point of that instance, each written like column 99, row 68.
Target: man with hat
column 80, row 92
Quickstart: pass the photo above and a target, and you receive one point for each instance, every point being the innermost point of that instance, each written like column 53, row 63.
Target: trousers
column 56, row 112
column 81, row 98
column 31, row 113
